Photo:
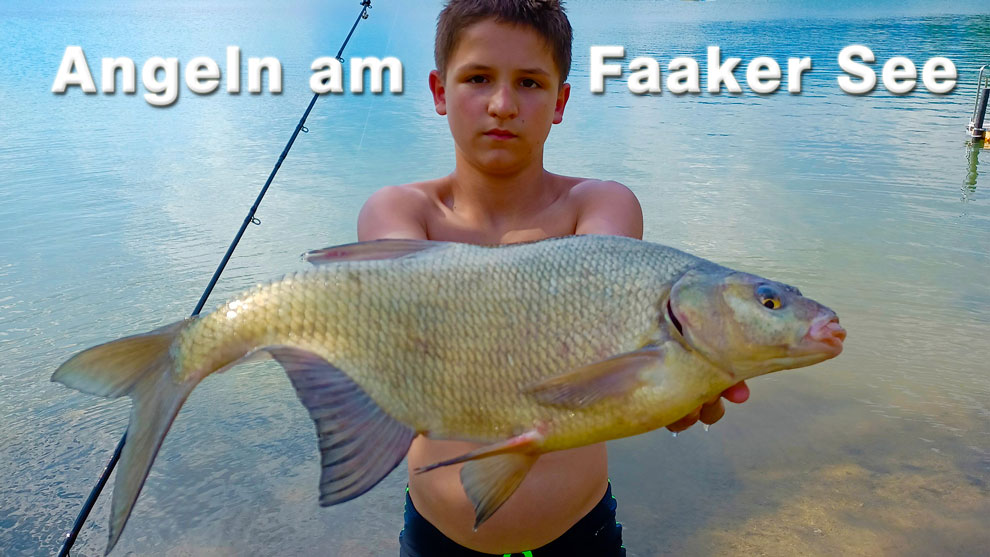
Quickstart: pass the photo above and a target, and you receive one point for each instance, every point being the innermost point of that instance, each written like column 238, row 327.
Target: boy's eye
column 530, row 83
column 476, row 79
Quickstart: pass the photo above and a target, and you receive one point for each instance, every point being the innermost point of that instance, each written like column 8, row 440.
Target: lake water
column 113, row 215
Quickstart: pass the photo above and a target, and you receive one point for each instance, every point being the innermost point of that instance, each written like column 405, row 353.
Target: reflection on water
column 973, row 149
column 113, row 215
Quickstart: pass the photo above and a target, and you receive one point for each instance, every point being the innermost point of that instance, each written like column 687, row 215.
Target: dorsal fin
column 368, row 251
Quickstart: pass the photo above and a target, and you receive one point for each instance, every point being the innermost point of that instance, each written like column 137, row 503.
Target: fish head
column 748, row 325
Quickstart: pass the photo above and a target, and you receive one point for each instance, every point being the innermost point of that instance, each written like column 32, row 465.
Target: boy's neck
column 493, row 200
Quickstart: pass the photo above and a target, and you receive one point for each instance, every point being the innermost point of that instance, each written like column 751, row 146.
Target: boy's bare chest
column 446, row 225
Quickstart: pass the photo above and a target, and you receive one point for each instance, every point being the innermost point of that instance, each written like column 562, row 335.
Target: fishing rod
column 70, row 537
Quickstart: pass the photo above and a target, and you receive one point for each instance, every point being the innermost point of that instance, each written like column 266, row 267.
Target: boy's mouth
column 498, row 133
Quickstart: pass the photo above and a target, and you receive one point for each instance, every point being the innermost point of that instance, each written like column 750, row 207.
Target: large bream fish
column 526, row 348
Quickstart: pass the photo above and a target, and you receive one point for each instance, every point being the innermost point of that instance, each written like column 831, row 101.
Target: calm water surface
column 113, row 215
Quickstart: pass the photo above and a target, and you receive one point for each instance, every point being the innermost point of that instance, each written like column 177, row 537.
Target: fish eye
column 768, row 296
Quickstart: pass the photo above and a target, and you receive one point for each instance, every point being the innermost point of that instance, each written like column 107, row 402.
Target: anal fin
column 359, row 442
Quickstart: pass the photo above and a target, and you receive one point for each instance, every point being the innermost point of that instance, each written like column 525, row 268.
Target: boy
column 500, row 80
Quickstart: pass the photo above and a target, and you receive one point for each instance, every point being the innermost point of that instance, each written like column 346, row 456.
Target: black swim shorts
column 597, row 534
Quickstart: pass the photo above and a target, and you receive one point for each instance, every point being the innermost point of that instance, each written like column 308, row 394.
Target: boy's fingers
column 737, row 393
column 686, row 421
column 711, row 413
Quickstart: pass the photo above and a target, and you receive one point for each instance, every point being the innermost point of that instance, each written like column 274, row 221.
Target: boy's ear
column 563, row 94
column 439, row 93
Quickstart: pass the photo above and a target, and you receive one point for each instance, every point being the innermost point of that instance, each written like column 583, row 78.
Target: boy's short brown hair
column 546, row 17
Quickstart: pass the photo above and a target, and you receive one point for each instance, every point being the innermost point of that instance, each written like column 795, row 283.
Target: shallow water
column 113, row 215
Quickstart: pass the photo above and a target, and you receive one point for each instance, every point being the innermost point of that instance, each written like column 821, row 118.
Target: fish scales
column 394, row 328
column 526, row 348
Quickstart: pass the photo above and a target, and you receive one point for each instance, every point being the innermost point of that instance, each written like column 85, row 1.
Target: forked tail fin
column 140, row 367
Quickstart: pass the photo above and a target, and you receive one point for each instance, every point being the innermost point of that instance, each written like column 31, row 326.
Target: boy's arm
column 393, row 212
column 610, row 208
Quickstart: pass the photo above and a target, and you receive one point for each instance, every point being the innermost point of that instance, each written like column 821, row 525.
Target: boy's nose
column 502, row 103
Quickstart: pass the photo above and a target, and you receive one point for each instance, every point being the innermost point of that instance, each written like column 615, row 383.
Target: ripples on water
column 113, row 215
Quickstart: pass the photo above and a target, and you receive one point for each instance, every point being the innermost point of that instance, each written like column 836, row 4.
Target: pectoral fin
column 614, row 377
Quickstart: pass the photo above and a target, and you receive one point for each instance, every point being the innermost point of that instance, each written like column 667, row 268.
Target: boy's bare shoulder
column 397, row 212
column 605, row 207
column 590, row 190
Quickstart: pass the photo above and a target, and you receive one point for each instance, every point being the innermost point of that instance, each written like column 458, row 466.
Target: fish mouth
column 825, row 335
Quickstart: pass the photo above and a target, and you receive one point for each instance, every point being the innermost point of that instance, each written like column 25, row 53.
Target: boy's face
column 501, row 94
